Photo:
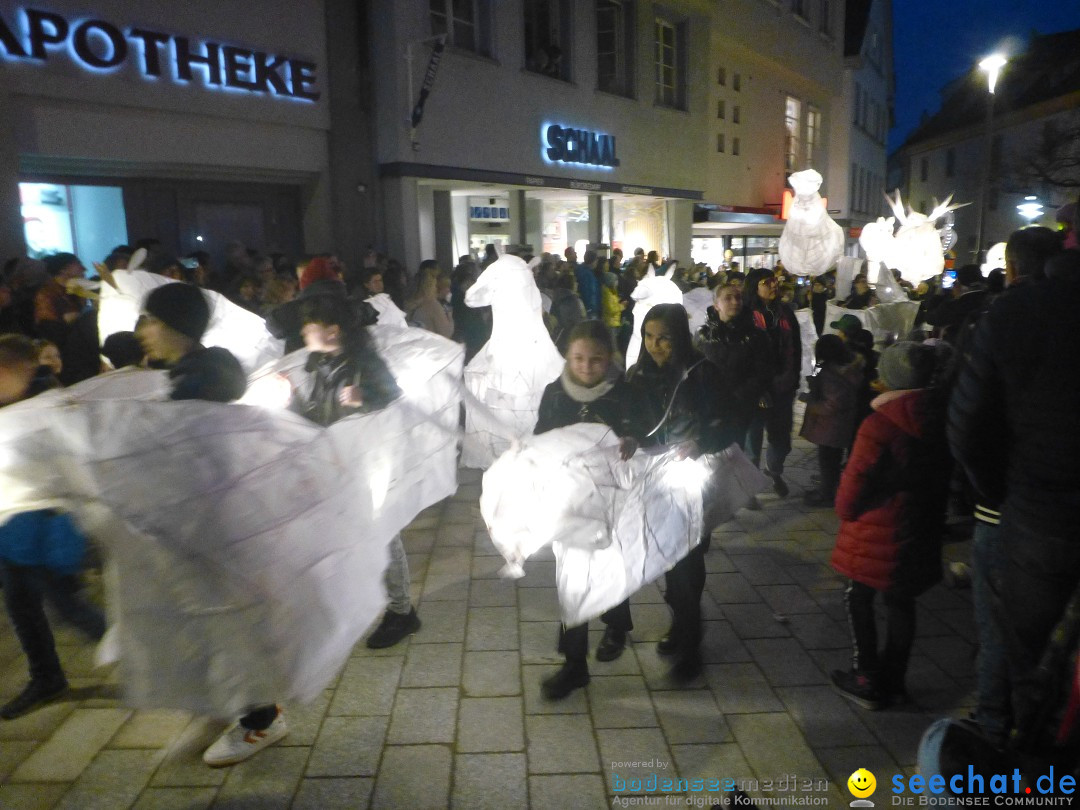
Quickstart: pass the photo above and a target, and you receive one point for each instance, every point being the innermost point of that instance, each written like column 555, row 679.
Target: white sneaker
column 238, row 743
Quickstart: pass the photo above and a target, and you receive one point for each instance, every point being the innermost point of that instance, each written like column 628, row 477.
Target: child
column 831, row 411
column 677, row 390
column 40, row 555
column 891, row 505
column 610, row 304
column 585, row 393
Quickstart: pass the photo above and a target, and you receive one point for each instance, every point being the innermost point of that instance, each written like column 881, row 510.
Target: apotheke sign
column 99, row 46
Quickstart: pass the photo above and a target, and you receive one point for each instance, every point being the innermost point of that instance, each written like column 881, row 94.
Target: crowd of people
column 973, row 413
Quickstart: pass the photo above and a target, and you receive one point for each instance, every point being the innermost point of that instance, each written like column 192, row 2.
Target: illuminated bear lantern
column 811, row 242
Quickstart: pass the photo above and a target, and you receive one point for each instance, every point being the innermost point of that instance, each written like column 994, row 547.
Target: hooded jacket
column 892, row 496
column 740, row 353
column 830, row 417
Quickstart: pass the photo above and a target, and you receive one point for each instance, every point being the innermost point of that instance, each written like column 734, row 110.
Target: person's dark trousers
column 260, row 718
column 1040, row 574
column 773, row 423
column 993, row 711
column 890, row 667
column 574, row 641
column 829, row 459
column 684, row 584
column 25, row 589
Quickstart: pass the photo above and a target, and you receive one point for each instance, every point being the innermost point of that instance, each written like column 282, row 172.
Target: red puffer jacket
column 892, row 496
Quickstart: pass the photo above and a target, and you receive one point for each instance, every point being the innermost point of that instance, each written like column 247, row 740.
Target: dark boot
column 393, row 628
column 573, row 675
column 37, row 693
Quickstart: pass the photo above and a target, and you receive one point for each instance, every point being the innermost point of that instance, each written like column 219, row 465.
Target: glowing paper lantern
column 917, row 252
column 508, row 375
column 811, row 241
column 697, row 303
column 650, row 291
column 995, row 258
column 389, row 312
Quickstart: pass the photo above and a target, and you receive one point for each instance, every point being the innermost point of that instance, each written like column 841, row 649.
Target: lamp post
column 992, row 65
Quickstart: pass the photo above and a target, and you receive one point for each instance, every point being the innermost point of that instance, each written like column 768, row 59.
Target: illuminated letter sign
column 100, row 46
column 565, row 145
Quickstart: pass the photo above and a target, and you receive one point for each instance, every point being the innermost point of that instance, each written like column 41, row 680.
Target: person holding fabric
column 774, row 416
column 676, row 390
column 587, row 392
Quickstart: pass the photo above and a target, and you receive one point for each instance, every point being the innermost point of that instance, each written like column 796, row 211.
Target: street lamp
column 992, row 65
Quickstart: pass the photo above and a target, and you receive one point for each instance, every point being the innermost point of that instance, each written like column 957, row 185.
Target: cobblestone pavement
column 453, row 717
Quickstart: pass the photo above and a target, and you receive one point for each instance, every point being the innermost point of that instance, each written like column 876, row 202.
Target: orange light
column 789, row 198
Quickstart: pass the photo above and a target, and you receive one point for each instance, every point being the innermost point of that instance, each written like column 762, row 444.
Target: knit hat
column 318, row 269
column 906, row 365
column 179, row 306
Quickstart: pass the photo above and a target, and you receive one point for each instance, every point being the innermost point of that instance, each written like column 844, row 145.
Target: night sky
column 935, row 41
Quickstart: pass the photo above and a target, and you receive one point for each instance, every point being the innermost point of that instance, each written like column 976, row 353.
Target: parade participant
column 41, row 553
column 350, row 378
column 585, row 392
column 676, row 389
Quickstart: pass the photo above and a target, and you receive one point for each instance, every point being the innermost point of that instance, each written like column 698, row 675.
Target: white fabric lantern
column 650, row 291
column 811, row 241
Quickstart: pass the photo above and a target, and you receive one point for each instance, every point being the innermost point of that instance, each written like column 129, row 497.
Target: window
column 858, row 105
column 736, row 82
column 854, row 200
column 736, row 114
column 615, row 46
column 924, row 169
column 670, row 55
column 798, row 8
column 950, row 162
column 721, row 109
column 825, row 21
column 721, row 77
column 735, row 146
column 813, row 133
column 720, row 142
column 464, row 22
column 547, row 36
column 792, row 120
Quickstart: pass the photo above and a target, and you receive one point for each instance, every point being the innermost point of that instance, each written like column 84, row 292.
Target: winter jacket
column 684, row 405
column 1012, row 419
column 892, row 496
column 741, row 355
column 785, row 341
column 360, row 366
column 564, row 403
column 43, row 538
column 833, row 406
column 212, row 374
column 609, row 300
column 588, row 287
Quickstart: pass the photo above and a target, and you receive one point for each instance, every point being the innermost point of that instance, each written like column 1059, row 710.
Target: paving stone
column 71, row 748
column 539, row 604
column 398, row 785
column 423, row 716
column 824, row 717
column 569, row 792
column 12, row 752
column 741, row 688
column 495, row 781
column 348, row 746
column 899, row 731
column 784, row 662
column 731, row 589
column 455, row 534
column 651, row 622
column 620, row 702
column 625, row 664
column 761, row 569
column 788, row 599
column 954, row 655
column 560, row 744
column 773, row 746
column 266, row 781
column 38, row 724
column 418, row 541
column 536, row 703
column 717, row 562
column 649, row 594
column 840, row 763
column 657, row 670
column 491, row 724
column 492, row 673
column 432, row 665
column 367, row 686
column 710, row 762
column 443, row 622
column 333, row 794
column 30, row 796
column 114, row 779
column 487, row 568
column 633, row 753
column 494, row 628
column 305, row 720
column 817, row 631
column 493, row 593
column 690, row 716
column 183, row 765
column 538, row 643
column 446, row 588
column 720, row 645
column 156, row 729
column 175, row 798
column 538, row 574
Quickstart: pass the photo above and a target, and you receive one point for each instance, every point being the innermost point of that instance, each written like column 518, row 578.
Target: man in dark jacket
column 967, row 296
column 1012, row 424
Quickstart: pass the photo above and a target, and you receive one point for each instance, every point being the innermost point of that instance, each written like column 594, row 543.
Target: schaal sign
column 567, row 145
column 98, row 45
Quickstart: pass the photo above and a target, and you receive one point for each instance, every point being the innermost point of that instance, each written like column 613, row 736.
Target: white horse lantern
column 650, row 291
column 811, row 242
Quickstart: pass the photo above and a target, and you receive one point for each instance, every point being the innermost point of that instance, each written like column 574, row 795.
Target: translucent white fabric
column 248, row 545
column 613, row 525
column 508, row 375
column 885, row 321
column 231, row 327
column 697, row 303
column 808, row 334
column 389, row 312
column 811, row 241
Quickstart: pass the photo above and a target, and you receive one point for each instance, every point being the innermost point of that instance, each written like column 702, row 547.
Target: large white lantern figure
column 811, row 242
column 508, row 375
column 650, row 291
column 917, row 252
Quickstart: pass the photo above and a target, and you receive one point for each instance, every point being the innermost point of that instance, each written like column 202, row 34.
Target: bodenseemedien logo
column 862, row 785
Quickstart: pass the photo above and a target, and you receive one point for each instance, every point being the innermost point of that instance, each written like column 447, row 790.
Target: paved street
column 453, row 717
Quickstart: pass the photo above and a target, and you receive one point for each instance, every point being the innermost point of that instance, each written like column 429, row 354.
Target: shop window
column 736, row 146
column 721, row 109
column 465, row 23
column 85, row 220
column 548, row 35
column 720, row 142
column 792, row 122
column 825, row 21
column 615, row 46
column 736, row 114
column 813, row 133
column 670, row 60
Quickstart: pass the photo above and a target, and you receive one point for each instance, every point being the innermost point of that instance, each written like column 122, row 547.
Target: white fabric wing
column 809, row 336
column 885, row 321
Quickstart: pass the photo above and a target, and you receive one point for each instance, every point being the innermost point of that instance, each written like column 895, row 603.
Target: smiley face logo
column 862, row 783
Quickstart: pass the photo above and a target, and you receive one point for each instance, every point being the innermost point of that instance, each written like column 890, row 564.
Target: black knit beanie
column 179, row 306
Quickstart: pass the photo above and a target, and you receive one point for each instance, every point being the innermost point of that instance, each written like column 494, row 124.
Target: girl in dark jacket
column 585, row 392
column 774, row 417
column 677, row 390
column 831, row 412
column 891, row 505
